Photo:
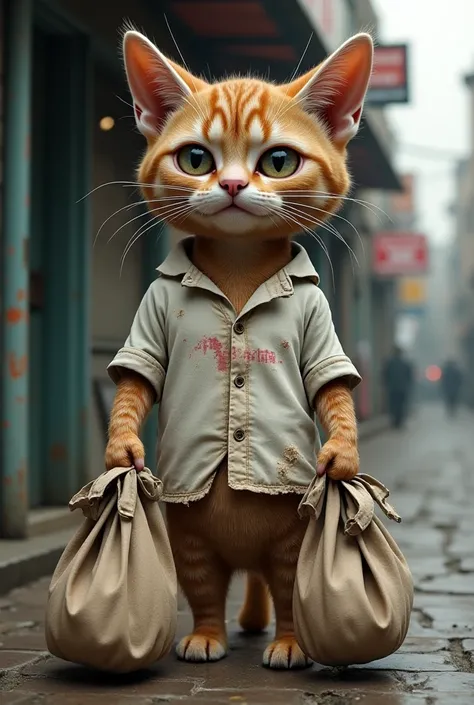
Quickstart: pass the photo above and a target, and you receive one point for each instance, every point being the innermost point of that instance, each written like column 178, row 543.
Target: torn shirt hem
column 187, row 497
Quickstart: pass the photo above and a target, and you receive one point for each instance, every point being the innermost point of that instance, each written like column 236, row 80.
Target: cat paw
column 285, row 654
column 200, row 649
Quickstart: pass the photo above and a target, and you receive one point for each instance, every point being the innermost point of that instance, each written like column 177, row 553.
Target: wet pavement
column 430, row 471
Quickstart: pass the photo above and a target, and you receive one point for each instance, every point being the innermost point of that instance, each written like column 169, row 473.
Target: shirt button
column 239, row 381
column 239, row 434
column 239, row 328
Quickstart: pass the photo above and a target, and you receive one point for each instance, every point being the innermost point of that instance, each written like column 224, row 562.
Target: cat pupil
column 278, row 159
column 196, row 158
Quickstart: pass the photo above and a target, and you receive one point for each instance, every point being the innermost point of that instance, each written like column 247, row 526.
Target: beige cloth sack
column 353, row 592
column 112, row 601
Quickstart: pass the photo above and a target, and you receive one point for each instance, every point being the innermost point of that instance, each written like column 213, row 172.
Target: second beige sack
column 353, row 592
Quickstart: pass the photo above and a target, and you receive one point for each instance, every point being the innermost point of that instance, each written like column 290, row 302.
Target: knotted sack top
column 126, row 483
column 358, row 499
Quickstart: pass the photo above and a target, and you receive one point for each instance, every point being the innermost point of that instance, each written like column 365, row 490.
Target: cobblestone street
column 429, row 470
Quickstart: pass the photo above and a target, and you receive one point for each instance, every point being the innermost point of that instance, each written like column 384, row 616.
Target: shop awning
column 269, row 37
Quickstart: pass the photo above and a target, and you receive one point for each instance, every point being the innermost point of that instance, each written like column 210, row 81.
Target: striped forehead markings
column 242, row 110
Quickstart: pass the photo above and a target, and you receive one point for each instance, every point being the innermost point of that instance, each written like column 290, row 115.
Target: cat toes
column 200, row 649
column 285, row 654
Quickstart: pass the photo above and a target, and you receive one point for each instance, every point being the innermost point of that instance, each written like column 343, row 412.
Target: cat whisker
column 288, row 103
column 325, row 226
column 201, row 113
column 148, row 226
column 370, row 207
column 155, row 219
column 195, row 106
column 133, row 240
column 142, row 215
column 129, row 222
column 172, row 210
column 185, row 189
column 340, row 217
column 288, row 106
column 292, row 219
column 272, row 219
column 167, row 198
column 160, row 233
column 330, row 228
column 320, row 242
column 308, row 193
column 296, row 220
column 295, row 72
column 129, row 206
column 289, row 217
column 336, row 215
column 129, row 184
column 134, row 205
column 275, row 113
column 283, row 108
column 184, row 214
column 130, row 105
column 169, row 191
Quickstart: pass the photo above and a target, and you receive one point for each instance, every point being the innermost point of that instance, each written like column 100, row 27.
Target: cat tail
column 256, row 612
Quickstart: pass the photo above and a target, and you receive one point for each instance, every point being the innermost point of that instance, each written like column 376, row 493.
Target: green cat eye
column 195, row 160
column 279, row 162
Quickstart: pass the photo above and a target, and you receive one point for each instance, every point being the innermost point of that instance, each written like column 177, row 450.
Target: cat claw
column 200, row 649
column 285, row 654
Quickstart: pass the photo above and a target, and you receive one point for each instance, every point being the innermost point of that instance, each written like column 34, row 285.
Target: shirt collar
column 301, row 266
column 177, row 263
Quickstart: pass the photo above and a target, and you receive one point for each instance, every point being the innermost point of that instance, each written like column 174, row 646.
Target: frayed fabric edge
column 258, row 489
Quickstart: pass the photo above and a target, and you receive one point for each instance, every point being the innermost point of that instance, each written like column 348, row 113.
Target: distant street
column 430, row 470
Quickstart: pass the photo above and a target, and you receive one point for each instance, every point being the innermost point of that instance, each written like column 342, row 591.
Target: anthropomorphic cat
column 234, row 340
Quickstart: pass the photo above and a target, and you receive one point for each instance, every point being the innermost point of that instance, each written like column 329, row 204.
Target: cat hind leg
column 204, row 579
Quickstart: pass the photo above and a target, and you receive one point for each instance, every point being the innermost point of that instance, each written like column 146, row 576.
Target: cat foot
column 199, row 648
column 285, row 654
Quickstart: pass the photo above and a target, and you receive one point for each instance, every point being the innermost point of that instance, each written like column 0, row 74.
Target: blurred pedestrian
column 398, row 381
column 451, row 385
column 412, row 386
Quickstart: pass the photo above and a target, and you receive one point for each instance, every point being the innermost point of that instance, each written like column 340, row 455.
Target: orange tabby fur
column 231, row 530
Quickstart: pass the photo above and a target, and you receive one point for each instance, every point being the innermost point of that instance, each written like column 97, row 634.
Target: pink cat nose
column 233, row 186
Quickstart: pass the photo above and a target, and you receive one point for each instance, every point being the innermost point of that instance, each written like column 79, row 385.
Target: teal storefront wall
column 45, row 405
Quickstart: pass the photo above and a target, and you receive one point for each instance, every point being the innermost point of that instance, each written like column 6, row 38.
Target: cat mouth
column 235, row 209
column 232, row 209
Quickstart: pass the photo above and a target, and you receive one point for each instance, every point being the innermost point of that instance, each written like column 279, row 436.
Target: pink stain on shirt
column 264, row 357
column 223, row 355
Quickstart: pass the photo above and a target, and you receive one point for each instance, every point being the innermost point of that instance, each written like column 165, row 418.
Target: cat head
column 243, row 157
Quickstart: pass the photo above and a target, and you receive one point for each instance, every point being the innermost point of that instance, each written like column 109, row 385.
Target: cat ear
column 336, row 89
column 158, row 85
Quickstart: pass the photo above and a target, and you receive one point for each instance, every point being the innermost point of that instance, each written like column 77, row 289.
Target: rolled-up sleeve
column 323, row 359
column 145, row 350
